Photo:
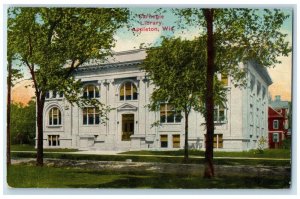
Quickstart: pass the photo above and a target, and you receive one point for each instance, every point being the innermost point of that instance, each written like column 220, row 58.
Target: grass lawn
column 170, row 159
column 25, row 176
column 268, row 153
column 27, row 147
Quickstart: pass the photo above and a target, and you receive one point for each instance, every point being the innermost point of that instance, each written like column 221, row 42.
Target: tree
column 12, row 75
column 23, row 126
column 175, row 68
column 235, row 36
column 53, row 42
column 9, row 69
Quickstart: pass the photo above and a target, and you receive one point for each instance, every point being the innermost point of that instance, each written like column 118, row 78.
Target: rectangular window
column 220, row 114
column 251, row 121
column 162, row 113
column 53, row 140
column 258, row 87
column 47, row 94
column 54, row 93
column 275, row 124
column 90, row 116
column 168, row 114
column 275, row 137
column 164, row 141
column 263, row 92
column 224, row 79
column 217, row 141
column 176, row 141
column 252, row 81
column 61, row 94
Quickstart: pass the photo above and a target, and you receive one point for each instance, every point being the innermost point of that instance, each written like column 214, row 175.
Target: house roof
column 279, row 104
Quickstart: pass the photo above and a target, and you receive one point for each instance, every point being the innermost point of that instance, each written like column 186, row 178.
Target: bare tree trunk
column 39, row 157
column 186, row 144
column 209, row 101
column 8, row 156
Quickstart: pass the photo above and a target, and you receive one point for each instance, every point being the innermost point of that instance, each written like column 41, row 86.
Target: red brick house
column 278, row 122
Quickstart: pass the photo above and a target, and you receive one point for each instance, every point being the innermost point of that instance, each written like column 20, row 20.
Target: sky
column 127, row 40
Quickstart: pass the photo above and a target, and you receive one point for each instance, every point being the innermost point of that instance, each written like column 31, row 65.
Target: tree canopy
column 177, row 69
column 23, row 125
column 53, row 42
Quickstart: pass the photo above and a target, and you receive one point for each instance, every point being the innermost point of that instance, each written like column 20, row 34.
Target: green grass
column 27, row 147
column 22, row 147
column 173, row 159
column 268, row 153
column 25, row 176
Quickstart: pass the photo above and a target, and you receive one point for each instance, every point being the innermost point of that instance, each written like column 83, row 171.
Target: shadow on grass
column 25, row 176
column 171, row 181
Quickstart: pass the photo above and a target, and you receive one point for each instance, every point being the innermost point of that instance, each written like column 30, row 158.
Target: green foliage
column 242, row 35
column 22, row 147
column 23, row 123
column 287, row 144
column 261, row 144
column 177, row 69
column 54, row 42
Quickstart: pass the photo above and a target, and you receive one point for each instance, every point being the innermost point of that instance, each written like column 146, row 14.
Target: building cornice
column 262, row 71
column 99, row 67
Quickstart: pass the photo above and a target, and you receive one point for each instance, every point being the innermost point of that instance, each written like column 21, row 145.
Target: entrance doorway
column 127, row 126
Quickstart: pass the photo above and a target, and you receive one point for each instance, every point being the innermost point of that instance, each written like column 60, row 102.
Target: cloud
column 189, row 33
column 128, row 41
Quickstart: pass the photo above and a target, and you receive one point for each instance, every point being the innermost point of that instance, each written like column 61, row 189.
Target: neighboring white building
column 120, row 84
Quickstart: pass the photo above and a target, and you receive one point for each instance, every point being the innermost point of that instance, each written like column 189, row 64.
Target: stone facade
column 119, row 83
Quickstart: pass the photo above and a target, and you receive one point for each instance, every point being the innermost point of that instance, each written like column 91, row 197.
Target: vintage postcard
column 149, row 97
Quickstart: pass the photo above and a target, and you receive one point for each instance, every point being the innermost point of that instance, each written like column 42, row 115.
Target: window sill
column 53, row 99
column 220, row 122
column 128, row 100
column 54, row 126
column 174, row 123
column 98, row 98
